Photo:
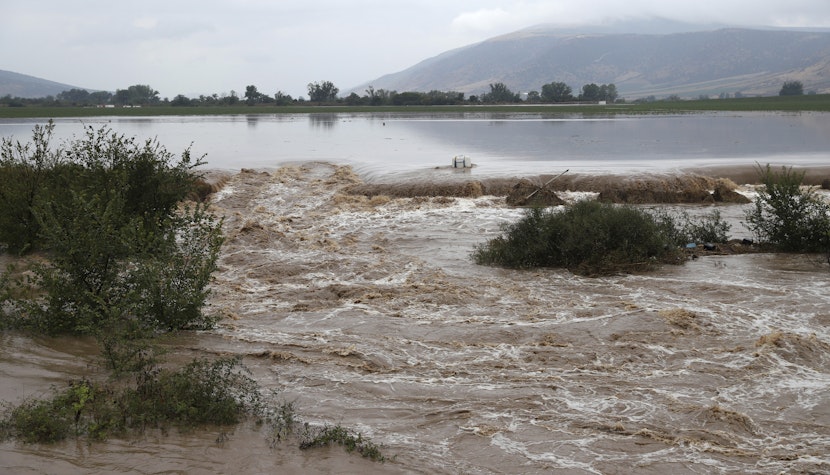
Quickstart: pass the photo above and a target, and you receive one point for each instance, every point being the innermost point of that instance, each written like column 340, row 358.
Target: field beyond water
column 813, row 103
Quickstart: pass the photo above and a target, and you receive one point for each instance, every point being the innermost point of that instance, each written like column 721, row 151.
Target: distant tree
column 229, row 99
column 590, row 92
column 74, row 97
column 533, row 97
column 282, row 99
column 324, row 91
column 180, row 100
column 138, row 94
column 792, row 88
column 439, row 98
column 608, row 92
column 252, row 95
column 500, row 94
column 100, row 97
column 557, row 92
column 409, row 98
column 372, row 97
column 384, row 96
column 353, row 99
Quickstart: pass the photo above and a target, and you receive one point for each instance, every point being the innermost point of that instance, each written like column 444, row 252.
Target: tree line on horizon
column 322, row 92
column 326, row 93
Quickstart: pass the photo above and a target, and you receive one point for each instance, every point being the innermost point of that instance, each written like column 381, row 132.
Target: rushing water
column 369, row 313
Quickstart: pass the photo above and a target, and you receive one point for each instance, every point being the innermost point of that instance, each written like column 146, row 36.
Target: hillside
column 21, row 85
column 728, row 60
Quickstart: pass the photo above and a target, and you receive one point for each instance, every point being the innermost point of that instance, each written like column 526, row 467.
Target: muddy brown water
column 368, row 312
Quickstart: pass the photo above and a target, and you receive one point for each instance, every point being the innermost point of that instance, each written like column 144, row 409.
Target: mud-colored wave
column 365, row 310
column 640, row 189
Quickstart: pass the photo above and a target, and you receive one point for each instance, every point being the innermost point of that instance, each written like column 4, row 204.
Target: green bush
column 682, row 228
column 26, row 180
column 105, row 209
column 339, row 435
column 787, row 216
column 204, row 392
column 709, row 228
column 588, row 238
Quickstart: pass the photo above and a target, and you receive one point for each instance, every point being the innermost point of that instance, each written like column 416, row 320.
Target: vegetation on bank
column 806, row 103
column 555, row 97
column 110, row 249
column 593, row 238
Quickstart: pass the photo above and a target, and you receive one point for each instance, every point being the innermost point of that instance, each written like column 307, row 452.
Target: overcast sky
column 211, row 46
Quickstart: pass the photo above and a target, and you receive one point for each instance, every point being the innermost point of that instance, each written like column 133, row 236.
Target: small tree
column 324, row 91
column 26, row 178
column 282, row 99
column 608, row 92
column 500, row 94
column 252, row 95
column 590, row 92
column 138, row 94
column 557, row 92
column 788, row 216
column 792, row 88
column 118, row 247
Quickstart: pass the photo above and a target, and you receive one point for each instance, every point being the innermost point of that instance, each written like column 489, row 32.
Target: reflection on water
column 384, row 145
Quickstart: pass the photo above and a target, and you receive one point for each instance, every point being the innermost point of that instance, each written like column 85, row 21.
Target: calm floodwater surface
column 370, row 314
column 379, row 145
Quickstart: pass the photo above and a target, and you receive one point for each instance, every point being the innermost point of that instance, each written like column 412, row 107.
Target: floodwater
column 370, row 314
column 383, row 146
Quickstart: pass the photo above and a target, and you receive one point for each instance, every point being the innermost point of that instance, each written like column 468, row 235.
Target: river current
column 368, row 312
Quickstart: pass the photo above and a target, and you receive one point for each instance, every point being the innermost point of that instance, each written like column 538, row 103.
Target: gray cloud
column 189, row 46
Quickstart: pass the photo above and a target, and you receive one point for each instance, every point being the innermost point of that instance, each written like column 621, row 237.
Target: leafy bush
column 204, row 392
column 788, row 216
column 709, row 228
column 682, row 228
column 26, row 180
column 588, row 238
column 106, row 211
column 339, row 435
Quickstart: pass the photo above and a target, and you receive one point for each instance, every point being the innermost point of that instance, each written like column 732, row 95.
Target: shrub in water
column 588, row 238
column 788, row 216
column 682, row 228
column 106, row 211
column 203, row 392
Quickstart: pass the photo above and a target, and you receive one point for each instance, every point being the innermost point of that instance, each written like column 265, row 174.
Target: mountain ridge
column 703, row 62
column 25, row 86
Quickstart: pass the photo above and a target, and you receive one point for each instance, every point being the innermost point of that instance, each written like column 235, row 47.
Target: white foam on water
column 383, row 308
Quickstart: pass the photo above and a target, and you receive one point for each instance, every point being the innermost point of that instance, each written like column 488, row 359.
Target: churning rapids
column 368, row 312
